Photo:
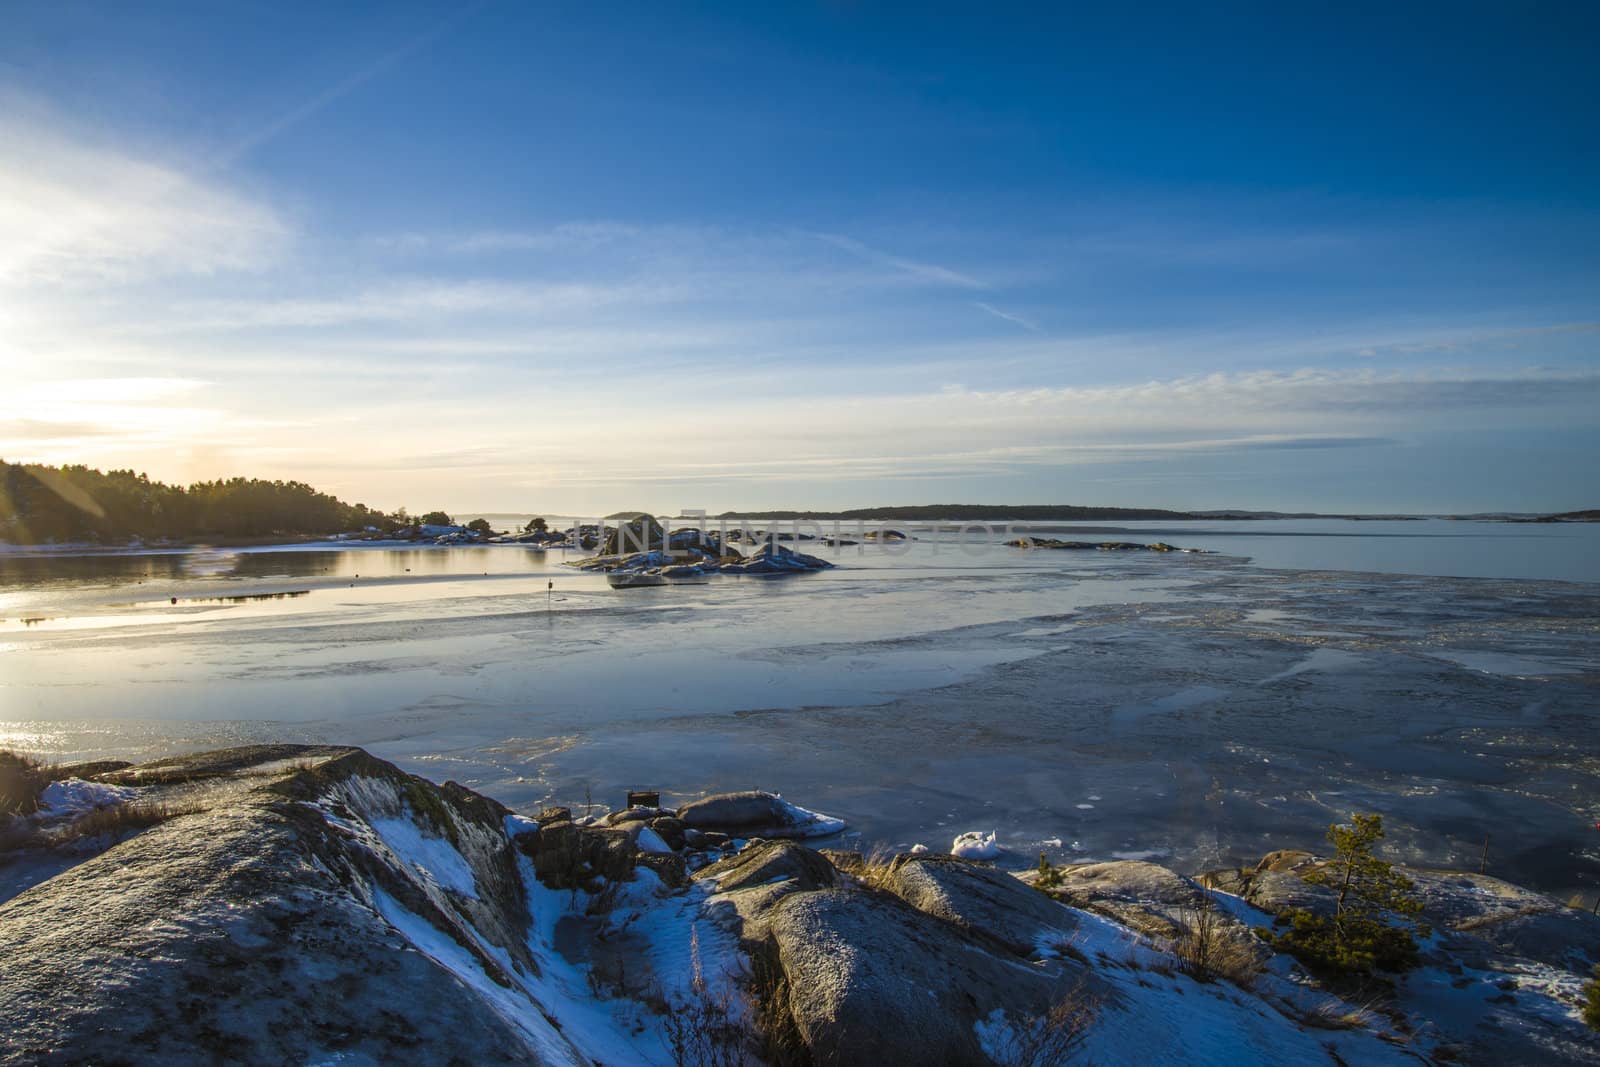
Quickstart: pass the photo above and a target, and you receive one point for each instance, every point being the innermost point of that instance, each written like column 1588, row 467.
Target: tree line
column 41, row 504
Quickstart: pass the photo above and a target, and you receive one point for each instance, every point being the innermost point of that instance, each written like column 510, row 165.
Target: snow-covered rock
column 650, row 841
column 71, row 797
column 219, row 934
column 976, row 845
column 318, row 905
column 757, row 814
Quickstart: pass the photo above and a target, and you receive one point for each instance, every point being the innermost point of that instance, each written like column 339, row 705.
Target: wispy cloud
column 566, row 235
column 414, row 302
column 299, row 113
column 594, row 358
column 925, row 272
column 72, row 209
column 1016, row 320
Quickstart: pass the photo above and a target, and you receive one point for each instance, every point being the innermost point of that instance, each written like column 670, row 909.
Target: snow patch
column 666, row 929
column 805, row 823
column 650, row 841
column 516, row 825
column 72, row 797
column 976, row 845
column 434, row 857
column 514, row 1005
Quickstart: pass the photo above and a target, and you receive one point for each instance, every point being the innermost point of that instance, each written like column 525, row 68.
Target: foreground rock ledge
column 305, row 905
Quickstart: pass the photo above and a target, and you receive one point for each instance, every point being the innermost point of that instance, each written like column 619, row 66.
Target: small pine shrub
column 1374, row 923
column 1591, row 1002
column 1049, row 877
column 1357, row 946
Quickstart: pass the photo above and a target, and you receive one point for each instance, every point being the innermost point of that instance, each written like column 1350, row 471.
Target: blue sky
column 582, row 257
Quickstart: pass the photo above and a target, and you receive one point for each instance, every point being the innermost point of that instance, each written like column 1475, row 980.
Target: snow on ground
column 511, row 1004
column 650, row 841
column 1156, row 1014
column 71, row 797
column 434, row 857
column 1525, row 997
column 60, row 803
column 666, row 935
column 1160, row 1015
column 519, row 824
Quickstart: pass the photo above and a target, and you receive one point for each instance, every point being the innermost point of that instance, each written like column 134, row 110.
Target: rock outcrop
column 988, row 904
column 264, row 924
column 756, row 814
column 1097, row 546
column 866, row 977
column 309, row 904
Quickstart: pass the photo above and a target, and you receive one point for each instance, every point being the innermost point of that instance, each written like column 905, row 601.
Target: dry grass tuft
column 1068, row 948
column 871, row 868
column 22, row 778
column 1481, row 922
column 1208, row 948
column 119, row 820
column 705, row 1029
column 779, row 1039
column 1056, row 1037
column 1337, row 1015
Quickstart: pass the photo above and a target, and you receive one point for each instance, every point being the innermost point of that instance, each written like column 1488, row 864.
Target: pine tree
column 1362, row 934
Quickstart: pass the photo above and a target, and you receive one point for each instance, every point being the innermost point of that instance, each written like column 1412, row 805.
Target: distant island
column 43, row 504
column 1591, row 515
column 1037, row 513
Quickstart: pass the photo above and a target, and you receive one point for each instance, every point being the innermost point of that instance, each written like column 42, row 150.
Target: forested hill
column 40, row 504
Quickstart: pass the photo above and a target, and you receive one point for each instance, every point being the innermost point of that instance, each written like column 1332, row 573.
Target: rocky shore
column 294, row 904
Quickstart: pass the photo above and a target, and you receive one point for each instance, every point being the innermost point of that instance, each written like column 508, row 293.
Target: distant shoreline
column 1063, row 512
column 1044, row 518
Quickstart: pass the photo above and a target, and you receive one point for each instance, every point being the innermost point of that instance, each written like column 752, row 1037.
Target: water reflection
column 240, row 599
column 21, row 570
column 24, row 571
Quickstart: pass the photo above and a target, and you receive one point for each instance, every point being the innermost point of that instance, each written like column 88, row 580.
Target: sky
column 575, row 258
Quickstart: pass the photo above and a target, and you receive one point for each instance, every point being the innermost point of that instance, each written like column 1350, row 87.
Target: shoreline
column 544, row 936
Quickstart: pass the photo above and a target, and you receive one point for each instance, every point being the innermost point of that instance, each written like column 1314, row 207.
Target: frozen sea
column 1196, row 710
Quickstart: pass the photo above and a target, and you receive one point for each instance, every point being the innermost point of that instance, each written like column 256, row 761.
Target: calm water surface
column 1195, row 709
